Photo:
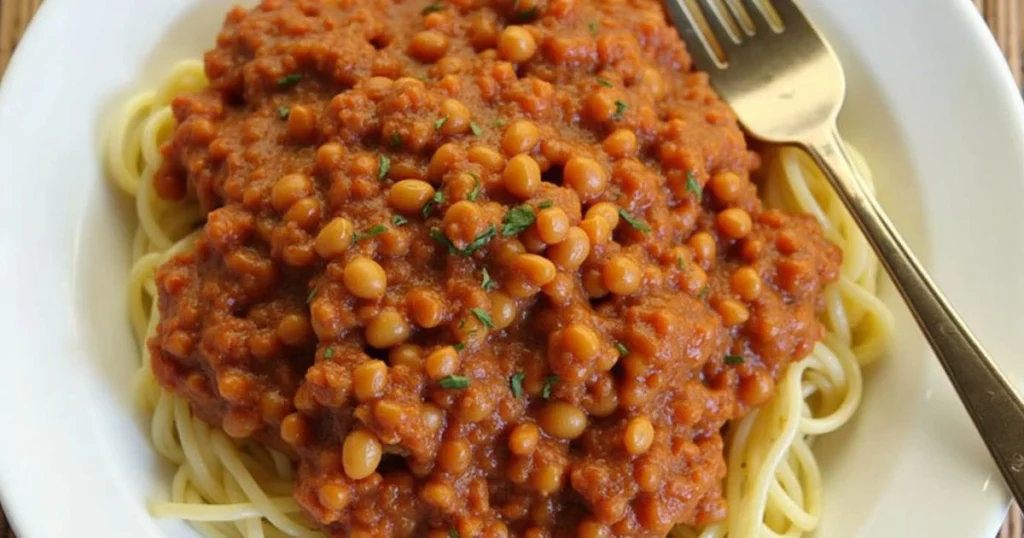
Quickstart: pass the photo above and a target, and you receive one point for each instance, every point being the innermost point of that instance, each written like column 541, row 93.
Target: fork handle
column 996, row 409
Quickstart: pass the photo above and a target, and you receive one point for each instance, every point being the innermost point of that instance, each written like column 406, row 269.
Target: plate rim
column 17, row 512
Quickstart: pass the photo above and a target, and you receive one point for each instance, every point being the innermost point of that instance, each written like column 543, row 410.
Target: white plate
column 931, row 104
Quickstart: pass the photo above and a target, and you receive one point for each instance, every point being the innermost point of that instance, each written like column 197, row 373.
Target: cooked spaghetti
column 787, row 382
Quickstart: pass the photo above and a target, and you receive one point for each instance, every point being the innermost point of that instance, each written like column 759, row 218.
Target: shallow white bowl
column 931, row 104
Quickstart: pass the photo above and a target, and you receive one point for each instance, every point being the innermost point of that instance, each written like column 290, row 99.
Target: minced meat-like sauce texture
column 485, row 267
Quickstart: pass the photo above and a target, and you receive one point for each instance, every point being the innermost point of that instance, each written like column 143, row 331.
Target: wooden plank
column 1005, row 17
column 14, row 18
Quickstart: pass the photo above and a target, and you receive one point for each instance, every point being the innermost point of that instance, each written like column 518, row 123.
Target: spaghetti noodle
column 228, row 489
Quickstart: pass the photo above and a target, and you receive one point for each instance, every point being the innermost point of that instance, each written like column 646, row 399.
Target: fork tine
column 758, row 17
column 790, row 13
column 697, row 43
column 719, row 19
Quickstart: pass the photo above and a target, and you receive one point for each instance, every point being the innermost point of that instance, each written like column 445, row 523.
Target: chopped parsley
column 483, row 316
column 681, row 263
column 517, row 220
column 693, row 186
column 453, row 533
column 703, row 292
column 475, row 193
column 633, row 221
column 607, row 84
column 620, row 109
column 312, row 294
column 440, row 123
column 383, row 166
column 396, row 140
column 477, row 131
column 516, row 383
column 499, row 122
column 329, row 353
column 480, row 240
column 289, row 80
column 372, row 232
column 437, row 235
column 545, row 204
column 459, row 347
column 622, row 349
column 526, row 14
column 437, row 200
column 593, row 27
column 282, row 112
column 399, row 220
column 454, row 382
column 488, row 283
column 433, row 8
column 549, row 385
column 733, row 359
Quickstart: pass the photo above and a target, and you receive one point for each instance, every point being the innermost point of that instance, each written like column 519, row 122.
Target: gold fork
column 786, row 85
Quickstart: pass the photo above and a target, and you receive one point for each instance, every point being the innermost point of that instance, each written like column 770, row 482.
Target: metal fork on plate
column 786, row 85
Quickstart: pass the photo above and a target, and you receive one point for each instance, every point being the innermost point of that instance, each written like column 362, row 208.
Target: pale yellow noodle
column 229, row 490
column 212, row 488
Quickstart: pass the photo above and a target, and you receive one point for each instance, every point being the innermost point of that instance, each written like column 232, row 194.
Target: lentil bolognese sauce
column 479, row 269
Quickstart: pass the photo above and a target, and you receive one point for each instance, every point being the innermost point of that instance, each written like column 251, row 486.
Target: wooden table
column 1005, row 17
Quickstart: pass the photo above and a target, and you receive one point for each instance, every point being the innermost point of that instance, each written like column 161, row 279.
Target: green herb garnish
column 459, row 346
column 454, row 382
column 693, row 186
column 396, row 140
column 399, row 220
column 620, row 109
column 483, row 316
column 433, row 8
column 516, row 383
column 633, row 221
column 527, row 15
column 703, row 292
column 312, row 294
column 440, row 123
column 289, row 80
column 481, row 240
column 549, row 385
column 733, row 359
column 475, row 193
column 499, row 122
column 593, row 27
column 329, row 353
column 372, row 232
column 606, row 83
column 622, row 349
column 282, row 112
column 437, row 200
column 383, row 166
column 545, row 204
column 488, row 283
column 477, row 131
column 517, row 220
column 453, row 533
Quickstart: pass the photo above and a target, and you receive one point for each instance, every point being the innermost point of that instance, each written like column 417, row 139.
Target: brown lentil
column 432, row 127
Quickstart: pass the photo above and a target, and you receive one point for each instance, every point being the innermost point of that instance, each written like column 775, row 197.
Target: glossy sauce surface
column 487, row 267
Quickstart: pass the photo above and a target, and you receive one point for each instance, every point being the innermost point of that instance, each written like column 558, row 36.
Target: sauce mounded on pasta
column 480, row 268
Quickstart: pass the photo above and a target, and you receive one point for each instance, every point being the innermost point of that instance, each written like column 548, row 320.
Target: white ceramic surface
column 931, row 104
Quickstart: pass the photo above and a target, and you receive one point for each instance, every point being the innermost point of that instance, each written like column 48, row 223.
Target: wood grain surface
column 1004, row 17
